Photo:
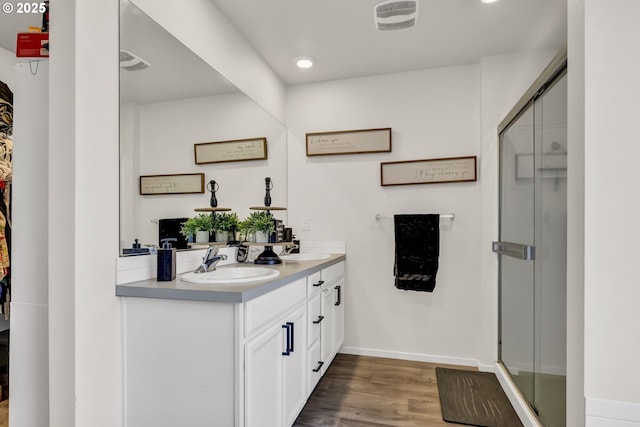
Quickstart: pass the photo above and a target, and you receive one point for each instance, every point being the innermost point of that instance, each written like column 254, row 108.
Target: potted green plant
column 223, row 224
column 260, row 223
column 243, row 230
column 199, row 226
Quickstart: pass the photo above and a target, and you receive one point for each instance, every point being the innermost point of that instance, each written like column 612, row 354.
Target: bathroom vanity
column 243, row 355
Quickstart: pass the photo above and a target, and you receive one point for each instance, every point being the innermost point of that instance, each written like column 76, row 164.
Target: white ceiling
column 175, row 71
column 341, row 37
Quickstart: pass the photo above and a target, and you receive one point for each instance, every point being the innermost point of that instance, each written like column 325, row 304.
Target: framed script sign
column 349, row 142
column 230, row 151
column 429, row 171
column 184, row 183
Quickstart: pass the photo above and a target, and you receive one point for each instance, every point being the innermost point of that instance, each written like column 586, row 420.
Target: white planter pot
column 222, row 236
column 262, row 237
column 202, row 236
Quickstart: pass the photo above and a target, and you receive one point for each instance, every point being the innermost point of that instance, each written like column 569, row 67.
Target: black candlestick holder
column 268, row 256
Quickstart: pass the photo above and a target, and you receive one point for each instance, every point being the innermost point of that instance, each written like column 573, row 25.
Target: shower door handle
column 515, row 250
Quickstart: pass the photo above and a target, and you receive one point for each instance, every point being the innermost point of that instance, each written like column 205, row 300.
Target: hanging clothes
column 6, row 173
column 6, row 109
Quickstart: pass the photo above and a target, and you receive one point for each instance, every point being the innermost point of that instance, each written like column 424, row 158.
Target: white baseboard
column 418, row 357
column 611, row 413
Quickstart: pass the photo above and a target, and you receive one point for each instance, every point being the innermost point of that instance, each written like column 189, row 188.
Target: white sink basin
column 231, row 275
column 304, row 257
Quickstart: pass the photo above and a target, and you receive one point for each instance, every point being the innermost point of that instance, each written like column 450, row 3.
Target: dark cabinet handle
column 319, row 320
column 320, row 283
column 291, row 349
column 289, row 331
column 339, row 296
column 317, row 369
column 286, row 351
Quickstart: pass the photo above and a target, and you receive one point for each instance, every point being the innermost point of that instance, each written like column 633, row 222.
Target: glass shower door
column 532, row 251
column 516, row 249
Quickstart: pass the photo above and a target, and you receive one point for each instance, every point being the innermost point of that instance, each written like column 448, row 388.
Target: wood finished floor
column 359, row 391
column 4, row 413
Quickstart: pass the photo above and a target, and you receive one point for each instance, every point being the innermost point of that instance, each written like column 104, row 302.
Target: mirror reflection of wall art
column 230, row 151
column 349, row 142
column 429, row 171
column 183, row 183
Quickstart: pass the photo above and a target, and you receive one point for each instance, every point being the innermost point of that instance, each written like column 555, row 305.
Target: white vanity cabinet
column 250, row 363
column 276, row 386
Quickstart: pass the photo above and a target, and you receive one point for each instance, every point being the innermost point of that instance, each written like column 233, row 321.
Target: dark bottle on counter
column 166, row 261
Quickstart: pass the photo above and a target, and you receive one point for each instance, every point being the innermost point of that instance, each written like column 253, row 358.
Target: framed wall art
column 349, row 142
column 429, row 171
column 230, row 151
column 183, row 183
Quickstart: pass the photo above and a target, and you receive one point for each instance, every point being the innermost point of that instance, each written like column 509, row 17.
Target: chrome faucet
column 211, row 258
column 288, row 249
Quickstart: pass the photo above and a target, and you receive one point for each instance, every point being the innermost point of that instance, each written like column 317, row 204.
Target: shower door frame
column 556, row 70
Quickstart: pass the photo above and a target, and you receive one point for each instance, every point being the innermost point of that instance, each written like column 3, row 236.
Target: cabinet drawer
column 266, row 309
column 332, row 273
column 314, row 284
column 314, row 319
column 314, row 367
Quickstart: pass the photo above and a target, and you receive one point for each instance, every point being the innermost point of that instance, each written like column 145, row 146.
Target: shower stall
column 532, row 246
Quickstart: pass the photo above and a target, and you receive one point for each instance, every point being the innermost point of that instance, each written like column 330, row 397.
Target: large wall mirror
column 170, row 99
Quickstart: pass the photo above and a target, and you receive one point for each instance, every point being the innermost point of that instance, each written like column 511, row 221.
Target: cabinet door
column 314, row 319
column 275, row 377
column 294, row 365
column 314, row 366
column 327, row 327
column 338, row 318
column 264, row 386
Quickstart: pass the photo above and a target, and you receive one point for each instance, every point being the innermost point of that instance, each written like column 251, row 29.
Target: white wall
column 129, row 172
column 434, row 113
column 84, row 321
column 29, row 275
column 575, row 216
column 169, row 149
column 612, row 206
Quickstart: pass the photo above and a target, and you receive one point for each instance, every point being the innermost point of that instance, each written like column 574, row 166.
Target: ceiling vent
column 396, row 14
column 132, row 62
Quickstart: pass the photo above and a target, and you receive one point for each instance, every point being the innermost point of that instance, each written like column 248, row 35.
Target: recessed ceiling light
column 488, row 1
column 304, row 62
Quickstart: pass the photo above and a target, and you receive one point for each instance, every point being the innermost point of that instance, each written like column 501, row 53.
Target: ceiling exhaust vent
column 396, row 14
column 132, row 62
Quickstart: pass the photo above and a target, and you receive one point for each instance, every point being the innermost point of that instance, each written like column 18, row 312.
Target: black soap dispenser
column 166, row 261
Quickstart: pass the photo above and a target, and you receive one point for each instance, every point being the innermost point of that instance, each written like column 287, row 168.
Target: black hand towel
column 417, row 240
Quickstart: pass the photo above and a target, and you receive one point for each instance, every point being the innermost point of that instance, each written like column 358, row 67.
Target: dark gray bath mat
column 474, row 398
